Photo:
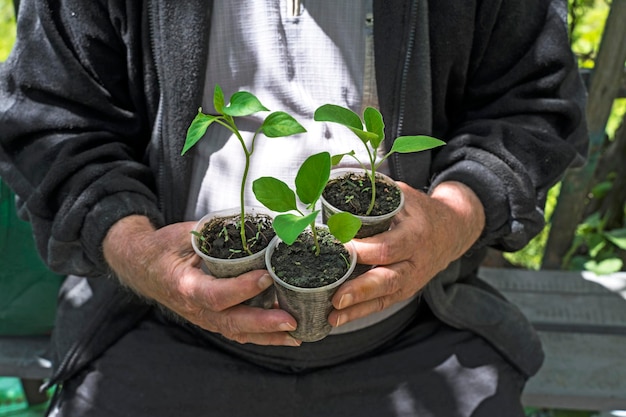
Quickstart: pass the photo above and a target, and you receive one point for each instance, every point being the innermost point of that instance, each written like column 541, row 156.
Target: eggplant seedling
column 371, row 131
column 310, row 181
column 241, row 104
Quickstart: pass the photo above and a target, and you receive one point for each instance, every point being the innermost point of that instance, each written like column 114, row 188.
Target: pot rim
column 233, row 211
column 338, row 172
column 268, row 263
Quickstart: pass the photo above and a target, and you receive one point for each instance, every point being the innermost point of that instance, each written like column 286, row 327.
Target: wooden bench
column 581, row 320
column 26, row 357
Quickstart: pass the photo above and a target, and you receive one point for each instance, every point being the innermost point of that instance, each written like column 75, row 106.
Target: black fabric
column 162, row 370
column 331, row 351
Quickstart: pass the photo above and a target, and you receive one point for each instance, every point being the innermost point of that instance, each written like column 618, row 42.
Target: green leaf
column 335, row 159
column 344, row 226
column 364, row 135
column 374, row 123
column 280, row 124
column 338, row 114
column 596, row 243
column 197, row 129
column 601, row 189
column 617, row 237
column 289, row 226
column 312, row 177
column 607, row 266
column 243, row 103
column 407, row 144
column 274, row 194
column 218, row 99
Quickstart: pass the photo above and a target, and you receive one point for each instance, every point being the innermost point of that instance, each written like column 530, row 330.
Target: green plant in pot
column 233, row 241
column 307, row 261
column 369, row 194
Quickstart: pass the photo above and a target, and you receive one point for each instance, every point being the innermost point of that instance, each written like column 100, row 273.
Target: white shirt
column 293, row 61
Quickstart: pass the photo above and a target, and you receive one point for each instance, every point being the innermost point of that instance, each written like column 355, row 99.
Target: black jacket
column 96, row 97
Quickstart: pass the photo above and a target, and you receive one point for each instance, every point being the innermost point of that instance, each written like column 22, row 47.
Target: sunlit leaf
column 407, row 144
column 289, row 226
column 607, row 266
column 274, row 194
column 312, row 177
column 374, row 124
column 280, row 124
column 218, row 99
column 617, row 237
column 344, row 226
column 338, row 114
column 243, row 103
column 197, row 129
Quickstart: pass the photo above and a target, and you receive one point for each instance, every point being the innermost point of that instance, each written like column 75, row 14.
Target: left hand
column 429, row 233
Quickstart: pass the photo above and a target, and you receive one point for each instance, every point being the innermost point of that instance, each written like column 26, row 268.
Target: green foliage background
column 586, row 24
column 7, row 28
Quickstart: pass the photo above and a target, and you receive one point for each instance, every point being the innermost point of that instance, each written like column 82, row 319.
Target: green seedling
column 310, row 181
column 371, row 131
column 241, row 104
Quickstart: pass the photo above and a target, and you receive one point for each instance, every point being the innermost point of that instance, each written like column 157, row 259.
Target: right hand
column 161, row 265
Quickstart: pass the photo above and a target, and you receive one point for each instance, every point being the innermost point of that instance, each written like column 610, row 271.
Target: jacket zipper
column 410, row 45
column 157, row 133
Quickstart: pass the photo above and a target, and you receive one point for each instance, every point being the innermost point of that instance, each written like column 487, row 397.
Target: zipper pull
column 294, row 8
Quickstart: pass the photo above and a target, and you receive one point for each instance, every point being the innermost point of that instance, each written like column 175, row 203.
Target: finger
column 218, row 294
column 340, row 317
column 376, row 283
column 244, row 323
column 269, row 339
column 384, row 248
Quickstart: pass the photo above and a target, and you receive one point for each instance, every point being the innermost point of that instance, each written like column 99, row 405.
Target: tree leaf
column 274, row 194
column 243, row 103
column 617, row 237
column 374, row 123
column 289, row 226
column 197, row 129
column 312, row 177
column 407, row 144
column 338, row 114
column 607, row 266
column 280, row 124
column 344, row 226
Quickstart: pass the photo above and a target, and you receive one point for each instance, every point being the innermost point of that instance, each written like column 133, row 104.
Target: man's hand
column 429, row 233
column 161, row 265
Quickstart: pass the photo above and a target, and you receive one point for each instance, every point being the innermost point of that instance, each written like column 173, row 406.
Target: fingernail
column 346, row 300
column 265, row 281
column 287, row 327
column 290, row 341
column 341, row 319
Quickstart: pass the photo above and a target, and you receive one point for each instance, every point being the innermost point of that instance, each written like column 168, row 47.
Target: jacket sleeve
column 520, row 122
column 74, row 134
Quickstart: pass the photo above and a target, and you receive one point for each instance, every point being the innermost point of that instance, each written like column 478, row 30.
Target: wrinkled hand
column 161, row 265
column 429, row 233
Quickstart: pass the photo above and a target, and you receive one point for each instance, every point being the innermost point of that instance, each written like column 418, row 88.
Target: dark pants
column 162, row 369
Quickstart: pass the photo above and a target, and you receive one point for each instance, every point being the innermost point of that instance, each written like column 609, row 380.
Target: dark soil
column 220, row 237
column 353, row 193
column 298, row 265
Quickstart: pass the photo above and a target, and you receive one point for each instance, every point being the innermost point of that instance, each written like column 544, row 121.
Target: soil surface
column 353, row 193
column 220, row 237
column 298, row 265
